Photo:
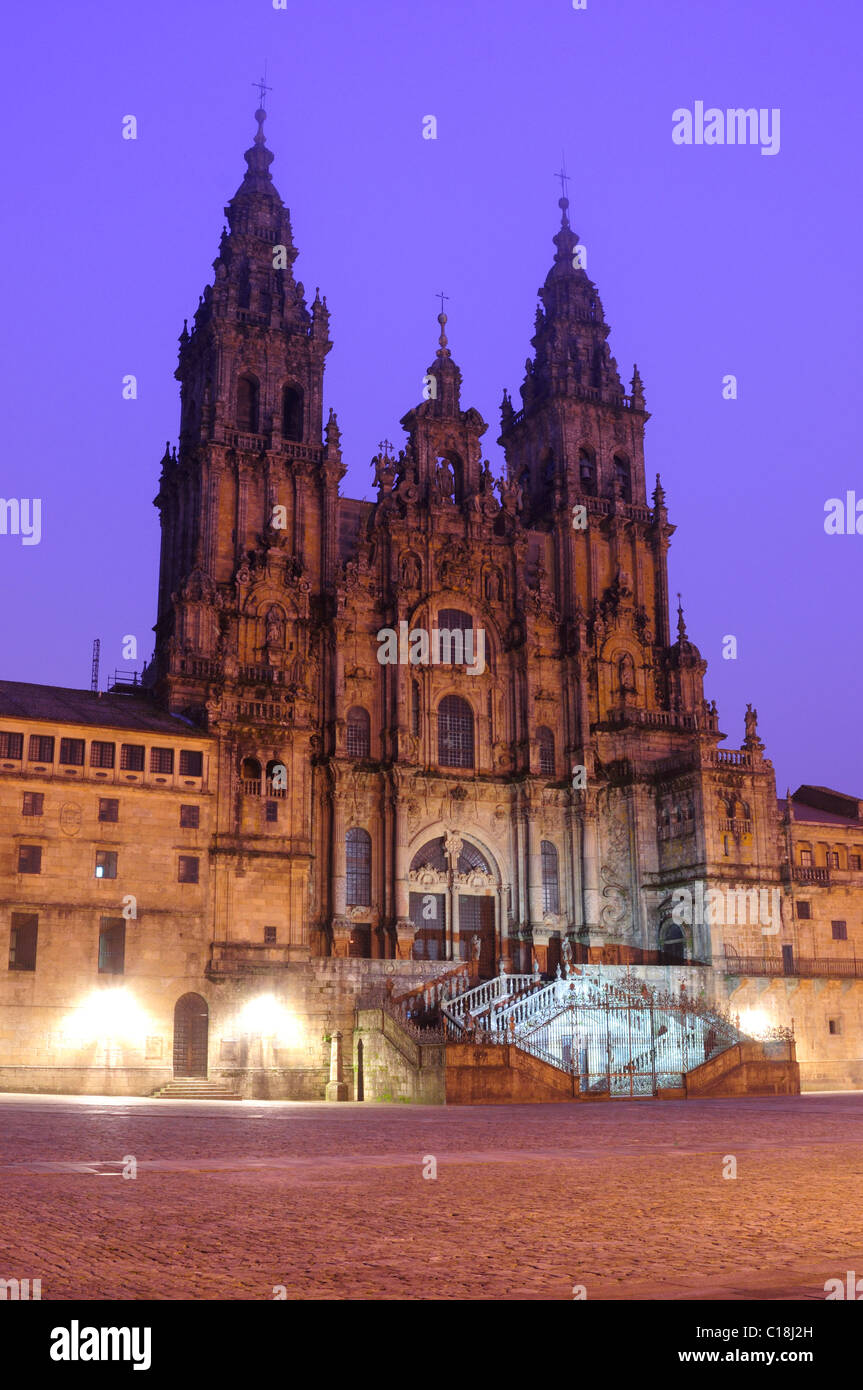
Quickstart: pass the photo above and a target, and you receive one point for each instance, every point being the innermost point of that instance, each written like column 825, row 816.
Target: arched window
column 292, row 413
column 277, row 778
column 431, row 856
column 471, row 858
column 415, row 708
column 545, row 739
column 359, row 733
column 244, row 289
column 622, row 482
column 586, row 473
column 358, row 861
column 455, row 732
column 673, row 945
column 459, row 650
column 550, row 885
column 251, row 777
column 247, row 404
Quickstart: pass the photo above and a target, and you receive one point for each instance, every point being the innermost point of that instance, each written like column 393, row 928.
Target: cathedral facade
column 455, row 724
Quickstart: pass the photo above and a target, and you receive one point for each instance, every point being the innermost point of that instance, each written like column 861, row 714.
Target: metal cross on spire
column 441, row 296
column 386, row 448
column 563, row 176
column 262, row 88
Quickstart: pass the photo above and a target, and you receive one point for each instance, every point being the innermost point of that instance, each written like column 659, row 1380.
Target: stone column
column 338, row 884
column 337, row 1089
column 590, row 870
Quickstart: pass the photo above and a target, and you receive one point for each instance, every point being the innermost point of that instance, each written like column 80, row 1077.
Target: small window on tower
column 622, row 481
column 586, row 473
column 292, row 413
column 247, row 404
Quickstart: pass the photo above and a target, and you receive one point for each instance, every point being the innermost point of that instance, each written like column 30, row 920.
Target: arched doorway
column 191, row 1030
column 453, row 897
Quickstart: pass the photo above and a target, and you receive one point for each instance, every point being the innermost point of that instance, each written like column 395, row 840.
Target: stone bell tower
column 248, row 502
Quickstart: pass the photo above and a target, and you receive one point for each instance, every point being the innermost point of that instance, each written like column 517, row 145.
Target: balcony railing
column 809, row 874
column 822, row 967
column 736, row 827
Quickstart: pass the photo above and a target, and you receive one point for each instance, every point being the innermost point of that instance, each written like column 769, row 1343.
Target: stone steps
column 195, row 1088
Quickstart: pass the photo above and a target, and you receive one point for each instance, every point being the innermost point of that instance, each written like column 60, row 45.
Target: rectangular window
column 839, row 930
column 106, row 863
column 187, row 869
column 101, row 754
column 269, row 936
column 112, row 946
column 806, row 858
column 272, row 810
column 11, row 745
column 109, row 808
column 162, row 760
column 131, row 757
column 832, row 859
column 41, row 749
column 834, row 1026
column 191, row 763
column 804, row 910
column 855, row 862
column 32, row 804
column 22, row 942
column 29, row 859
column 190, row 817
column 72, row 752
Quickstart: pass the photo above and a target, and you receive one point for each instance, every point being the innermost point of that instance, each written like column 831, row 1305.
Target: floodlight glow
column 268, row 1018
column 109, row 1013
column 755, row 1022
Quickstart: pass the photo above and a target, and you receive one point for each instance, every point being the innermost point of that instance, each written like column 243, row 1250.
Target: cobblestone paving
column 626, row 1198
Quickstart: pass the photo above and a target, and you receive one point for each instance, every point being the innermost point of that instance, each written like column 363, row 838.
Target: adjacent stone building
column 376, row 738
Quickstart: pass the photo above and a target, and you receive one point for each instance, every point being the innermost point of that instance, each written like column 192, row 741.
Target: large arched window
column 359, row 738
column 247, row 404
column 358, row 861
column 550, row 883
column 455, row 732
column 622, row 480
column 466, row 649
column 545, row 739
column 292, row 413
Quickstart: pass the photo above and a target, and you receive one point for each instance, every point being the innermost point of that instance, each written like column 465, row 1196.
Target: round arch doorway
column 454, row 903
column 191, row 1034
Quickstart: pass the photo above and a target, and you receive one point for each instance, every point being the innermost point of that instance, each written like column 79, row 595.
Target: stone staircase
column 195, row 1088
column 609, row 1032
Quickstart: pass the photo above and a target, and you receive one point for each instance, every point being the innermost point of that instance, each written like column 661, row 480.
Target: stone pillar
column 590, row 870
column 534, row 872
column 338, row 884
column 337, row 1089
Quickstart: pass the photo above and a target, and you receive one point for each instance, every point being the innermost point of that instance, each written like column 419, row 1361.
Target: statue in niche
column 446, row 480
column 411, row 572
column 275, row 627
column 626, row 675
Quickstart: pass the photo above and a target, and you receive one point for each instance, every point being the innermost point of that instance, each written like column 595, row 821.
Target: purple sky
column 709, row 260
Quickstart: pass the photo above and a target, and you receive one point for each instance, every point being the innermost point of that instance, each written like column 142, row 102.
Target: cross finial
column 441, row 296
column 262, row 88
column 563, row 176
column 385, row 446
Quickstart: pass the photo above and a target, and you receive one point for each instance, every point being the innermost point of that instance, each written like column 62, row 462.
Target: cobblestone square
column 232, row 1200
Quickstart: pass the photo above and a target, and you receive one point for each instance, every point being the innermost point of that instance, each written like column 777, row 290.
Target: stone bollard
column 337, row 1089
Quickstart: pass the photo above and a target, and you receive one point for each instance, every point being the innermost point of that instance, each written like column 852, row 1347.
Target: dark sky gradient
column 709, row 260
